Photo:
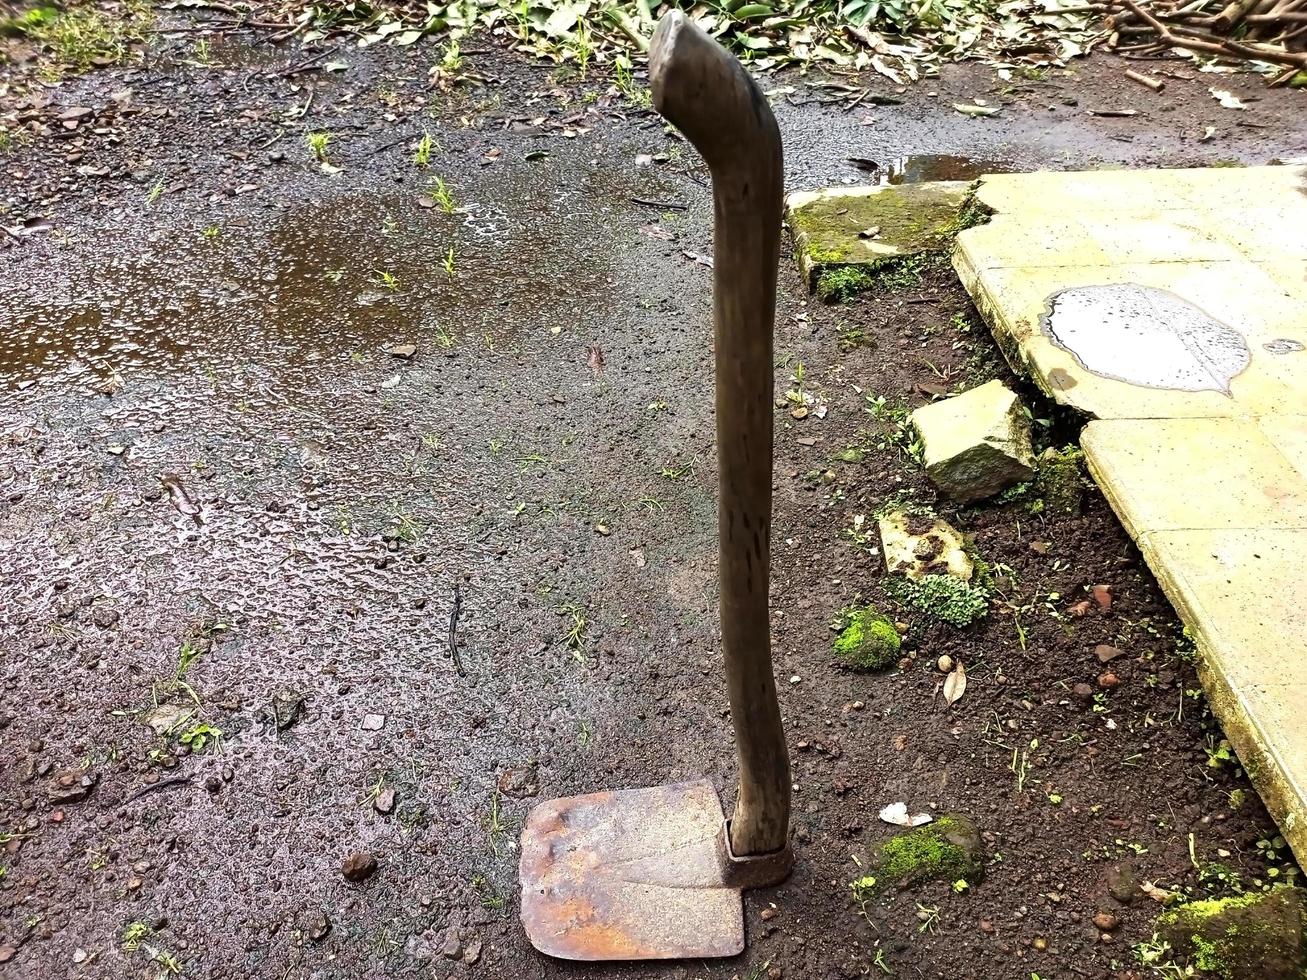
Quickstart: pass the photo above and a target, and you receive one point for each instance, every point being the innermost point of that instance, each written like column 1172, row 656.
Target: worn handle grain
column 706, row 93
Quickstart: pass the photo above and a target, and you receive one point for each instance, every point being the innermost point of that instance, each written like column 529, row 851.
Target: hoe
column 657, row 873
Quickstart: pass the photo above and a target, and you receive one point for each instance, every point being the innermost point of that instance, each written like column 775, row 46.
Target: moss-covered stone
column 850, row 240
column 949, row 849
column 975, row 444
column 867, row 640
column 1247, row 937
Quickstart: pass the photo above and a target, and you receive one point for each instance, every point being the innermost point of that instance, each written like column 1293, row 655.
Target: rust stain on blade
column 629, row 875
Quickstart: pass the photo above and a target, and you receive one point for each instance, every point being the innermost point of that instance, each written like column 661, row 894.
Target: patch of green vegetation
column 422, row 155
column 133, row 933
column 971, row 214
column 627, row 86
column 839, row 284
column 827, row 256
column 946, row 850
column 201, row 735
column 12, row 139
column 317, row 142
column 942, row 597
column 867, row 639
column 842, row 283
column 574, row 634
column 82, row 37
column 28, row 21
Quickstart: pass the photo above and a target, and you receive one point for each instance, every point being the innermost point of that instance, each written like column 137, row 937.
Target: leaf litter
column 903, row 40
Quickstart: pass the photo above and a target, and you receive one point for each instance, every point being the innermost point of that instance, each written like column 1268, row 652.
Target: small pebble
column 1106, row 922
column 359, row 866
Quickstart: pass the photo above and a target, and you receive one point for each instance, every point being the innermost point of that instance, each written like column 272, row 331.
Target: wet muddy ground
column 237, row 510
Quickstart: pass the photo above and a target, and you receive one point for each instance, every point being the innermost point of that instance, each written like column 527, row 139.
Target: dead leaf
column 1227, row 98
column 955, row 685
column 897, row 814
column 1208, row 133
column 968, row 109
column 1160, row 895
column 698, row 258
column 596, row 360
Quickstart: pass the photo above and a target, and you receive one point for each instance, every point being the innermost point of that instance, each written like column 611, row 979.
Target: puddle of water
column 328, row 281
column 920, row 168
column 1145, row 336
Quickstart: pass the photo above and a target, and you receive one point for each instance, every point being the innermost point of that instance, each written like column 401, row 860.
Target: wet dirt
column 548, row 446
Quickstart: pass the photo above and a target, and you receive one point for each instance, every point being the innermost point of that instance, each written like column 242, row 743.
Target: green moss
column 942, row 597
column 1257, row 936
column 971, row 214
column 867, row 639
column 827, row 256
column 946, row 850
column 1059, row 480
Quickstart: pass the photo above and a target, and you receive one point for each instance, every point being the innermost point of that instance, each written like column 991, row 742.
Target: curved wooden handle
column 706, row 93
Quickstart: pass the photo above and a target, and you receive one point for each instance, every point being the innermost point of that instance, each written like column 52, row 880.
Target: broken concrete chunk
column 72, row 785
column 919, row 546
column 846, row 237
column 977, row 443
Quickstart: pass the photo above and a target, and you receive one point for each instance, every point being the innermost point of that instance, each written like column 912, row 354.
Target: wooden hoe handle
column 706, row 93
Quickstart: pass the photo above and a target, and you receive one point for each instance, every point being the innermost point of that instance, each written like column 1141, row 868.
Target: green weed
column 942, row 597
column 442, row 195
column 84, row 36
column 318, row 141
column 422, row 156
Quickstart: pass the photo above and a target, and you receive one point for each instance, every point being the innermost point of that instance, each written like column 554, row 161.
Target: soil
column 228, row 507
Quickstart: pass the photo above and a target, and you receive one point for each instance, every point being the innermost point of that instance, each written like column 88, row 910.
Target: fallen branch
column 1156, row 84
column 1194, row 40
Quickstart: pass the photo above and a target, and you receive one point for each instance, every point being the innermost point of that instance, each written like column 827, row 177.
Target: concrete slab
column 1163, row 474
column 1240, row 592
column 1261, row 302
column 1169, row 305
column 1126, row 191
column 861, row 229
